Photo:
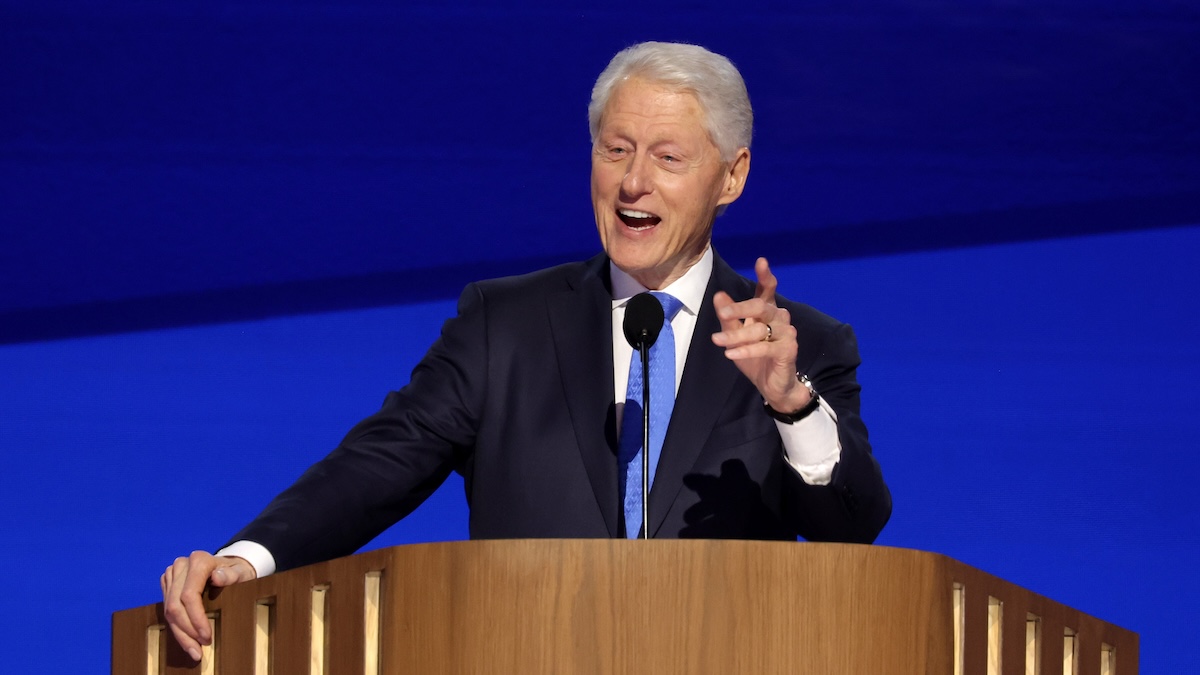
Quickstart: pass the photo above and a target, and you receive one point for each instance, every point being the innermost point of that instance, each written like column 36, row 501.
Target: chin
column 632, row 264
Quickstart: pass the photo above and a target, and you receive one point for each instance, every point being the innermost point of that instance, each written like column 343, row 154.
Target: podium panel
column 619, row 606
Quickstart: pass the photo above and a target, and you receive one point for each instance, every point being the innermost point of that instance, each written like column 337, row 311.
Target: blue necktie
column 662, row 401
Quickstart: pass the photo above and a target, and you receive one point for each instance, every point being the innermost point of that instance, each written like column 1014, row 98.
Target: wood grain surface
column 617, row 606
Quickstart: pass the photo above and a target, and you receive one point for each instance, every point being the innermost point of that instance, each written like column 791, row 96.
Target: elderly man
column 526, row 390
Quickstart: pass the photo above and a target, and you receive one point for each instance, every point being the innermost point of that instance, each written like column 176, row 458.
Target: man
column 525, row 390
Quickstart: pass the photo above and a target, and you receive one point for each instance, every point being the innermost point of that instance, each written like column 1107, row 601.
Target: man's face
column 657, row 180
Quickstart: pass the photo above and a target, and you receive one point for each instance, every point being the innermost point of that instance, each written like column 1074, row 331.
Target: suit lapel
column 581, row 322
column 707, row 380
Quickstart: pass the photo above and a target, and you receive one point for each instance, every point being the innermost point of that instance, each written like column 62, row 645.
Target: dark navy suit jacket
column 517, row 395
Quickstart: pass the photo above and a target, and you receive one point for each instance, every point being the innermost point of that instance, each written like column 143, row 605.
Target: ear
column 735, row 177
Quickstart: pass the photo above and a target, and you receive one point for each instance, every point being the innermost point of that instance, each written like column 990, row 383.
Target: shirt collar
column 688, row 289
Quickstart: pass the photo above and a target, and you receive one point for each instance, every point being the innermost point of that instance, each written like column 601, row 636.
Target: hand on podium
column 184, row 581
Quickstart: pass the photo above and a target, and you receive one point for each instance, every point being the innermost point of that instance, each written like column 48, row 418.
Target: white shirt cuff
column 811, row 446
column 254, row 553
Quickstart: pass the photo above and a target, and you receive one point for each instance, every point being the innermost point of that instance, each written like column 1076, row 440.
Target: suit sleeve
column 856, row 503
column 389, row 463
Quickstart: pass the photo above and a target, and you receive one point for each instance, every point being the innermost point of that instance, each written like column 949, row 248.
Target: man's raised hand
column 759, row 338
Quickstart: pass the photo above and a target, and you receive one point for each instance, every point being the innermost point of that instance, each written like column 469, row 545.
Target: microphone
column 643, row 322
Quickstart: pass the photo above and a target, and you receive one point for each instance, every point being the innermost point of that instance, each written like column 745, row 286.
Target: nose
column 637, row 180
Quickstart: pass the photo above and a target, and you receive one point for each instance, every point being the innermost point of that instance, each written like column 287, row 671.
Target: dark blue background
column 226, row 230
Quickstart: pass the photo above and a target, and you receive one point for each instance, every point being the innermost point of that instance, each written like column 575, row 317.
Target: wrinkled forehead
column 657, row 100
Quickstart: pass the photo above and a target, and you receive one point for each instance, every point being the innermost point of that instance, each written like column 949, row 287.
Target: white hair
column 712, row 78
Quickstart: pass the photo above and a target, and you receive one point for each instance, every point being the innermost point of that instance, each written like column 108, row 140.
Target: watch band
column 791, row 418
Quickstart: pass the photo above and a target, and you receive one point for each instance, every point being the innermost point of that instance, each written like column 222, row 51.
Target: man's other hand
column 182, row 584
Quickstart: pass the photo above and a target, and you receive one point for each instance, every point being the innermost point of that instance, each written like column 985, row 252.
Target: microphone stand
column 645, row 351
column 643, row 321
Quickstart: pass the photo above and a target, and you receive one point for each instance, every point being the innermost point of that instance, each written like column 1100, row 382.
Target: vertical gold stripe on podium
column 208, row 653
column 960, row 634
column 318, row 631
column 264, row 622
column 995, row 635
column 154, row 650
column 1108, row 659
column 1033, row 645
column 1070, row 649
column 371, row 585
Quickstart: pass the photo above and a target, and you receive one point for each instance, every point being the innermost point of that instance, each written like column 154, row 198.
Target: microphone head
column 643, row 320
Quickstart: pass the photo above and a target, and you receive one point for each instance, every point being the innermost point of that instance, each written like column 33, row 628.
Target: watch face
column 808, row 384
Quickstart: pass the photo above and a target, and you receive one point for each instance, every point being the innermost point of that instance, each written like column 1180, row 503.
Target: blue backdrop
column 228, row 229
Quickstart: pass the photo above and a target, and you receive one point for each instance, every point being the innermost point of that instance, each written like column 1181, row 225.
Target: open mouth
column 638, row 220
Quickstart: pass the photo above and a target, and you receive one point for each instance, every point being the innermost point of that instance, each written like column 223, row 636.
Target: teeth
column 635, row 214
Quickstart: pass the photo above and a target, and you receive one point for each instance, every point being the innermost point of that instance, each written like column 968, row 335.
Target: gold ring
column 769, row 334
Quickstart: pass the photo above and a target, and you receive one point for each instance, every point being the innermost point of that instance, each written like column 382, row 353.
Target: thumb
column 231, row 571
column 767, row 283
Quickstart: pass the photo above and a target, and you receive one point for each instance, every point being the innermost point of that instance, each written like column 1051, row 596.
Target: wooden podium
column 636, row 607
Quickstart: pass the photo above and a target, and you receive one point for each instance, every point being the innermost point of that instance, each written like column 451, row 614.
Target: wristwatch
column 791, row 418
